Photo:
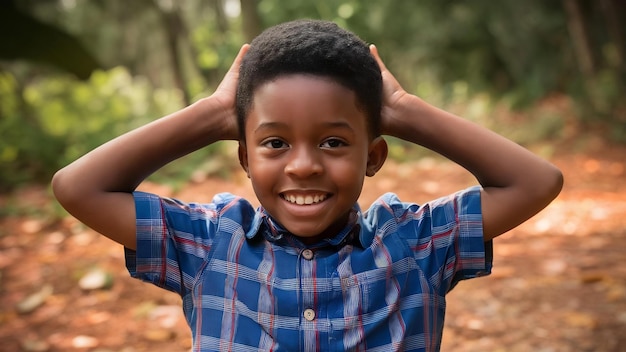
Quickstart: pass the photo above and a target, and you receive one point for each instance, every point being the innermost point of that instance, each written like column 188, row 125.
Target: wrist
column 219, row 122
column 404, row 118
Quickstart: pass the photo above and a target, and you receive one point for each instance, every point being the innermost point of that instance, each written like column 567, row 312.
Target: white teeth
column 304, row 200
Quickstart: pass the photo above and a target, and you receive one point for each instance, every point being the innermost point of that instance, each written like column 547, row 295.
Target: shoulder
column 468, row 199
column 443, row 211
column 150, row 205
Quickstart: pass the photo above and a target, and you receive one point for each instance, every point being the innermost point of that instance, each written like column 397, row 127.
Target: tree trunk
column 584, row 56
column 251, row 19
column 222, row 21
column 614, row 31
column 580, row 40
column 174, row 29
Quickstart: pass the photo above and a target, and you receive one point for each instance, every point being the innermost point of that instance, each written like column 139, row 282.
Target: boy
column 308, row 270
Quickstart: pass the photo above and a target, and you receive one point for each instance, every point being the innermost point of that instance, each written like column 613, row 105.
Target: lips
column 304, row 199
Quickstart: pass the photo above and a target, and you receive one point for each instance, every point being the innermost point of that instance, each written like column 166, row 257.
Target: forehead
column 305, row 98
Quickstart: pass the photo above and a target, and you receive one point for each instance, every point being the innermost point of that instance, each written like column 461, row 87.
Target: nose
column 304, row 162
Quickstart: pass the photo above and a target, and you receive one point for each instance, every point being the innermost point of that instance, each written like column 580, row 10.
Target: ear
column 243, row 157
column 376, row 156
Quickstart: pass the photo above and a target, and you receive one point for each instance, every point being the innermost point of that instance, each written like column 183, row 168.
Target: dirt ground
column 558, row 284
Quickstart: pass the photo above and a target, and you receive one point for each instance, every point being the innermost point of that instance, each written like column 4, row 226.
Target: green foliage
column 87, row 114
column 467, row 56
column 42, row 42
column 517, row 52
column 55, row 119
column 25, row 153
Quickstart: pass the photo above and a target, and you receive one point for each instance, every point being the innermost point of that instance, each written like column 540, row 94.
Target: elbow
column 57, row 184
column 62, row 189
column 553, row 182
column 558, row 180
column 543, row 186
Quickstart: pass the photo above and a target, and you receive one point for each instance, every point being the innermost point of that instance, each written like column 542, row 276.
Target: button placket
column 307, row 254
column 309, row 314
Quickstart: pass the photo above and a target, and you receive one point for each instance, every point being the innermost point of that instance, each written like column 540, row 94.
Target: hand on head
column 393, row 95
column 227, row 89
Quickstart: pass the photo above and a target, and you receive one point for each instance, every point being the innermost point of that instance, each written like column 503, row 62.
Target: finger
column 237, row 62
column 374, row 52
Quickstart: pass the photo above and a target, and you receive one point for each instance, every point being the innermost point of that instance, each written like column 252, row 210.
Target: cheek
column 262, row 173
column 349, row 172
column 259, row 164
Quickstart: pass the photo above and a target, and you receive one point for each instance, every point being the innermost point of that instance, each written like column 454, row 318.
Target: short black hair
column 315, row 47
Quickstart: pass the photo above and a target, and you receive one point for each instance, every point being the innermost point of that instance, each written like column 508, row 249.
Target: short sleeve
column 173, row 241
column 474, row 256
column 446, row 237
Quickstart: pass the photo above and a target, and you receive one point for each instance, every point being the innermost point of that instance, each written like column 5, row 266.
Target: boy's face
column 307, row 152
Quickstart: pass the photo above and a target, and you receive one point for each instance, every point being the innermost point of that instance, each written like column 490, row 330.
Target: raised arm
column 97, row 188
column 516, row 183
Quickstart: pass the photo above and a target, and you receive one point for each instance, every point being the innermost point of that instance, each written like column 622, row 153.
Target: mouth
column 304, row 199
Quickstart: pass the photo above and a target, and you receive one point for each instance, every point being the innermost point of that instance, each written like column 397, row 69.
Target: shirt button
column 309, row 314
column 307, row 254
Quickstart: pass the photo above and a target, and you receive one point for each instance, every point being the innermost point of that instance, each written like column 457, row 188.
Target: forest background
column 548, row 74
column 76, row 73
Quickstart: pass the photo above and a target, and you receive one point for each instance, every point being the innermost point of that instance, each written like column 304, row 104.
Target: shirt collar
column 352, row 233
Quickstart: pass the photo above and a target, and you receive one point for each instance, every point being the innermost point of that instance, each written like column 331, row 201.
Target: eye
column 275, row 144
column 332, row 143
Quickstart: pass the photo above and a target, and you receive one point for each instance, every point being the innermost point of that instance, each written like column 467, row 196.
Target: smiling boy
column 308, row 270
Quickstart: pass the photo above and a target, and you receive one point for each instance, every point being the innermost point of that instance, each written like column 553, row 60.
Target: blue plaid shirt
column 248, row 285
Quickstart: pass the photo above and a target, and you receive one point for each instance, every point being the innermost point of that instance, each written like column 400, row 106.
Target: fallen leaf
column 96, row 279
column 84, row 341
column 34, row 345
column 33, row 301
column 159, row 335
column 581, row 320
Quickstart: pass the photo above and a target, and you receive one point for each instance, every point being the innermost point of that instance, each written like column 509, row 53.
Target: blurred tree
column 168, row 53
column 176, row 31
column 42, row 42
column 250, row 19
column 597, row 31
